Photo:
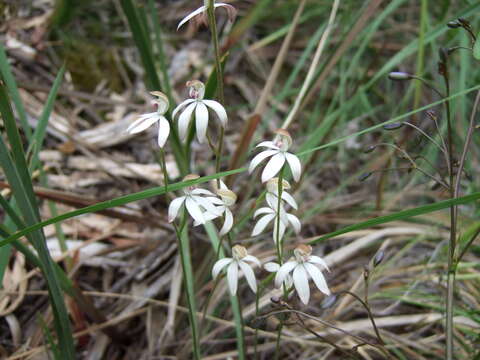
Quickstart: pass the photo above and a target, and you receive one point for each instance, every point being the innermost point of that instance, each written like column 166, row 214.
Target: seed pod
column 329, row 301
column 364, row 176
column 454, row 24
column 392, row 126
column 378, row 258
column 399, row 75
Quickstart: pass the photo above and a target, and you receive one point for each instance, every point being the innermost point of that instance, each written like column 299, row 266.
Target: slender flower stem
column 279, row 254
column 184, row 250
column 216, row 48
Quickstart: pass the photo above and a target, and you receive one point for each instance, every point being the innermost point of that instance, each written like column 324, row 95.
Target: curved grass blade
column 160, row 190
column 401, row 215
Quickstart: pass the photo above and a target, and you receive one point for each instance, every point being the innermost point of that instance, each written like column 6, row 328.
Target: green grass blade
column 160, row 190
column 13, row 89
column 401, row 215
column 39, row 134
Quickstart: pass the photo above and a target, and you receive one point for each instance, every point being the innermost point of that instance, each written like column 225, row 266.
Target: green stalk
column 279, row 255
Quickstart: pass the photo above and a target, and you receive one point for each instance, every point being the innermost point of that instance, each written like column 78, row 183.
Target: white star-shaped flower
column 200, row 106
column 227, row 199
column 270, row 214
column 278, row 153
column 237, row 261
column 202, row 13
column 272, row 194
column 194, row 200
column 304, row 266
column 147, row 120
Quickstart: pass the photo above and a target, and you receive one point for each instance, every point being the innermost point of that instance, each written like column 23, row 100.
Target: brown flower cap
column 302, row 252
column 161, row 102
column 239, row 252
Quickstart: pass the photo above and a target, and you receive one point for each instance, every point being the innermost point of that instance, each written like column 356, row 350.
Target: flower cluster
column 193, row 115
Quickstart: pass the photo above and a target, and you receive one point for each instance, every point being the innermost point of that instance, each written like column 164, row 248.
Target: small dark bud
column 329, row 301
column 378, row 258
column 398, row 75
column 369, row 149
column 364, row 176
column 392, row 126
column 454, row 24
column 275, row 299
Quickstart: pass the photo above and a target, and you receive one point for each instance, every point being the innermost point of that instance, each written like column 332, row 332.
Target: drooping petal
column 228, row 223
column 163, row 131
column 184, row 120
column 201, row 122
column 232, row 277
column 219, row 110
column 219, row 265
column 249, row 275
column 318, row 260
column 259, row 158
column 272, row 200
column 293, row 220
column 191, row 15
column 273, row 166
column 300, row 280
column 262, row 224
column 317, row 277
column 215, row 200
column 194, row 210
column 271, row 267
column 181, row 105
column 295, row 166
column 231, row 11
column 289, row 200
column 143, row 123
column 283, row 272
column 253, row 259
column 263, row 210
column 174, row 207
column 268, row 144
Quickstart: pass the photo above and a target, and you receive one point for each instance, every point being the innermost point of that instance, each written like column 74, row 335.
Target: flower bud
column 392, row 126
column 398, row 75
column 369, row 149
column 378, row 258
column 454, row 24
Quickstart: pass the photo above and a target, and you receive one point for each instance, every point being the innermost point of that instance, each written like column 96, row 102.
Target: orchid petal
column 232, row 277
column 281, row 231
column 295, row 165
column 268, row 144
column 194, row 210
column 201, row 122
column 293, row 220
column 200, row 191
column 219, row 265
column 219, row 110
column 191, row 15
column 263, row 210
column 318, row 260
column 227, row 225
column 143, row 123
column 184, row 120
column 289, row 200
column 318, row 278
column 163, row 131
column 273, row 166
column 253, row 259
column 207, row 205
column 300, row 280
column 181, row 105
column 249, row 275
column 271, row 267
column 174, row 207
column 259, row 158
column 283, row 271
column 262, row 224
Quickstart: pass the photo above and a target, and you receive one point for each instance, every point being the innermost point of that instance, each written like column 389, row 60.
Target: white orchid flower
column 238, row 260
column 202, row 13
column 274, row 267
column 278, row 153
column 272, row 194
column 194, row 200
column 269, row 215
column 227, row 199
column 147, row 120
column 304, row 266
column 200, row 106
